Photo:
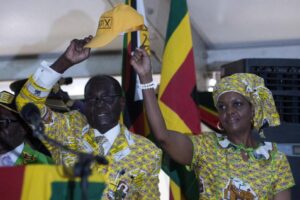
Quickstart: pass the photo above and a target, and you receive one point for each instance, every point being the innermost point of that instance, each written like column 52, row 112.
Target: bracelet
column 146, row 86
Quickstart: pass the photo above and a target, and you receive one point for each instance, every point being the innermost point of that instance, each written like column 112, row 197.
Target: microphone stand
column 81, row 167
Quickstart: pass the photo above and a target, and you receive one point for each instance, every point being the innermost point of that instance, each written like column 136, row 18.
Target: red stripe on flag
column 138, row 125
column 11, row 182
column 178, row 94
column 171, row 194
column 133, row 112
column 209, row 118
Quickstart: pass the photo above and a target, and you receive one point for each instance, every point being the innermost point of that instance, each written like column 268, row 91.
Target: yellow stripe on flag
column 178, row 82
column 38, row 179
column 176, row 51
column 175, row 54
column 173, row 121
column 176, row 191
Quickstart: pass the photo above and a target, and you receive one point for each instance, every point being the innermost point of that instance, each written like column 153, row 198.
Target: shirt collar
column 12, row 155
column 262, row 151
column 110, row 135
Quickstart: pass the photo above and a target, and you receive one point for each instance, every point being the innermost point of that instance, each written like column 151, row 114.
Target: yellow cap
column 122, row 18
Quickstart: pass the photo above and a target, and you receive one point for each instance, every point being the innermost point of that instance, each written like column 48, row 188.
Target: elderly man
column 13, row 148
column 134, row 161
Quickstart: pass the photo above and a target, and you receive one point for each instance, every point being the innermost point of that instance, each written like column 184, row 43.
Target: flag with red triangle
column 177, row 94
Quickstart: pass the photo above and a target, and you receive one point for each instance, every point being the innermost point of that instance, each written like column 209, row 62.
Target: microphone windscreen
column 101, row 160
column 31, row 114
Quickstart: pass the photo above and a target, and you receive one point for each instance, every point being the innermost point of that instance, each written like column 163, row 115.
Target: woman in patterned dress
column 233, row 164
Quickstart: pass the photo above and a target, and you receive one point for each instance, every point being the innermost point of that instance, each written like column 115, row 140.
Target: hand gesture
column 76, row 52
column 141, row 62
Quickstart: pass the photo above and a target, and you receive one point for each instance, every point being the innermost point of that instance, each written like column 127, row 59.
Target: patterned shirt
column 24, row 155
column 223, row 174
column 134, row 161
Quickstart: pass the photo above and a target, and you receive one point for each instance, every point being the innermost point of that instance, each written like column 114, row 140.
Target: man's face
column 103, row 105
column 12, row 131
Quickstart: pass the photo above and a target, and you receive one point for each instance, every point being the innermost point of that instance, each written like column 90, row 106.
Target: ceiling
column 35, row 27
column 240, row 23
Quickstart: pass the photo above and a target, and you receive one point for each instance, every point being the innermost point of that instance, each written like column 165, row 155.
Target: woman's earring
column 219, row 126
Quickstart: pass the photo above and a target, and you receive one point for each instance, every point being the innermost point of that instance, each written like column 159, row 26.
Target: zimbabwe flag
column 45, row 182
column 176, row 95
column 207, row 110
column 134, row 115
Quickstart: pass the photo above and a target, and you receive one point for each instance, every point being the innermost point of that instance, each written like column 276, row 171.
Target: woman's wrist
column 147, row 78
column 146, row 82
column 146, row 86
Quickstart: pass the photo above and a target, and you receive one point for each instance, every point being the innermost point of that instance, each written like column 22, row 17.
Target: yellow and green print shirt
column 134, row 161
column 24, row 155
column 223, row 174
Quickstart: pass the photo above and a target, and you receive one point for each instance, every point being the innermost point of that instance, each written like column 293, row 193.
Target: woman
column 232, row 165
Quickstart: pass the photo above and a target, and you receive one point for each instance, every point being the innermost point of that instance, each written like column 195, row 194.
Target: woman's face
column 235, row 113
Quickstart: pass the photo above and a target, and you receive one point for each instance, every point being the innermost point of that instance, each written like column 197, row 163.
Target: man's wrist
column 61, row 64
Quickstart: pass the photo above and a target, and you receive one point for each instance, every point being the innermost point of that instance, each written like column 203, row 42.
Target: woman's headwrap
column 252, row 87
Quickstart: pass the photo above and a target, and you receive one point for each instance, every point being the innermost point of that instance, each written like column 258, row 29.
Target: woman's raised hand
column 140, row 61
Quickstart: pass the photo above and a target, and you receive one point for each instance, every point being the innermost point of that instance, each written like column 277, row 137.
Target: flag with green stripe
column 134, row 116
column 46, row 182
column 176, row 92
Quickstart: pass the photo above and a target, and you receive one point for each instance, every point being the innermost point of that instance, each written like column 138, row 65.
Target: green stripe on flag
column 178, row 67
column 72, row 190
column 178, row 10
column 183, row 177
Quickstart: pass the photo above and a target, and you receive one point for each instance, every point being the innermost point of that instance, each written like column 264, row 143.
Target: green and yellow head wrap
column 252, row 87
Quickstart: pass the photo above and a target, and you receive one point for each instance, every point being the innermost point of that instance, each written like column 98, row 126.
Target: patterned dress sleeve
column 283, row 176
column 202, row 146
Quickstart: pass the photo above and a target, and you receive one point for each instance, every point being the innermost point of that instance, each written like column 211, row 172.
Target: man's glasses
column 4, row 123
column 109, row 99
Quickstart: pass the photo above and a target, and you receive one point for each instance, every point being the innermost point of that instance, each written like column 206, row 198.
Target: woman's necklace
column 246, row 152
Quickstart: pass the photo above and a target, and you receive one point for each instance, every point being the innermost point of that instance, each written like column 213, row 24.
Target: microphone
column 31, row 114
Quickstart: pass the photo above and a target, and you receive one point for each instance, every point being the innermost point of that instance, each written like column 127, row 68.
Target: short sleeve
column 202, row 145
column 283, row 176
